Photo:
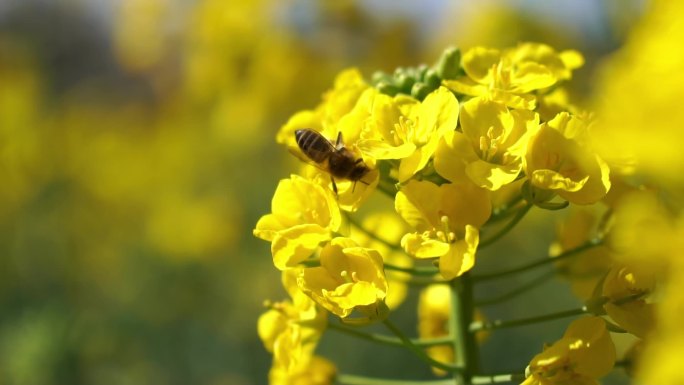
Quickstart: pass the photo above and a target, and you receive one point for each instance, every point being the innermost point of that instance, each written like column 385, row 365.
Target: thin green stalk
column 497, row 379
column 412, row 270
column 507, row 210
column 418, row 350
column 499, row 324
column 505, row 229
column 460, row 317
column 389, row 340
column 537, row 263
column 517, row 291
column 348, row 379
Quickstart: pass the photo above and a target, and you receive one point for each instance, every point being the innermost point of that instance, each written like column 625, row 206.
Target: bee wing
column 306, row 160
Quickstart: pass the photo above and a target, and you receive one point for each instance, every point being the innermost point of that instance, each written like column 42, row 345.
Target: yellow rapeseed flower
column 510, row 76
column 315, row 371
column 304, row 214
column 447, row 219
column 406, row 129
column 491, row 147
column 627, row 291
column 349, row 278
column 584, row 354
column 558, row 160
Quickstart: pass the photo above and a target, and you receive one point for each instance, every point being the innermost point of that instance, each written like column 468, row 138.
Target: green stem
column 412, row 270
column 419, row 351
column 505, row 229
column 537, row 263
column 497, row 379
column 517, row 291
column 460, row 317
column 506, row 210
column 498, row 324
column 389, row 340
column 348, row 379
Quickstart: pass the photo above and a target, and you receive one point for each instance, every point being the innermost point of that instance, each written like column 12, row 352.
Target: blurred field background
column 137, row 152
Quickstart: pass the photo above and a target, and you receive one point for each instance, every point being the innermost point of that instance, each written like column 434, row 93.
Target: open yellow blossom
column 510, row 76
column 404, row 128
column 584, row 354
column 389, row 228
column 558, row 160
column 304, row 214
column 349, row 278
column 491, row 147
column 447, row 219
column 627, row 291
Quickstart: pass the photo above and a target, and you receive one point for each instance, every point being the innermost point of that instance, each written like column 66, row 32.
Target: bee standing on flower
column 335, row 159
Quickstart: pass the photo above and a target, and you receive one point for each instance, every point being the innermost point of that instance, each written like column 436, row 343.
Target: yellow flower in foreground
column 447, row 219
column 627, row 290
column 404, row 128
column 491, row 147
column 390, row 228
column 584, row 354
column 349, row 278
column 558, row 160
column 304, row 214
column 510, row 76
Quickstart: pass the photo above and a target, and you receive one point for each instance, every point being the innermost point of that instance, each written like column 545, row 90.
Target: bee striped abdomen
column 314, row 145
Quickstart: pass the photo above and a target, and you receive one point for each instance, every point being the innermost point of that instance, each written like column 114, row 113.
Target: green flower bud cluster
column 419, row 81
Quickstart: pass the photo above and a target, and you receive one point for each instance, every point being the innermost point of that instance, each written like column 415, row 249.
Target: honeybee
column 335, row 159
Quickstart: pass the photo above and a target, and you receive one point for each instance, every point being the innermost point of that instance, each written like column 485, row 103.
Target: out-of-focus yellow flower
column 406, row 129
column 511, row 75
column 558, row 160
column 304, row 214
column 638, row 97
column 349, row 278
column 635, row 314
column 434, row 306
column 447, row 219
column 139, row 42
column 584, row 354
column 491, row 147
column 643, row 233
column 389, row 228
column 586, row 269
column 315, row 371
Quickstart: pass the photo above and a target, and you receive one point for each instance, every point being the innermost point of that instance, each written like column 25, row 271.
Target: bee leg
column 338, row 141
column 334, row 185
column 360, row 160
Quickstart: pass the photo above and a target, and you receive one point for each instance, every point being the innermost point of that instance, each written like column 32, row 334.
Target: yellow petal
column 493, row 176
column 293, row 245
column 478, row 61
column 421, row 247
column 453, row 154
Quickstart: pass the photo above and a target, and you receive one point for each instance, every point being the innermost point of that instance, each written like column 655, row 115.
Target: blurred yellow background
column 137, row 151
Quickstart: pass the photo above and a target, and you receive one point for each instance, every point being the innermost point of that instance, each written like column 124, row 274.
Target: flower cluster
column 456, row 155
